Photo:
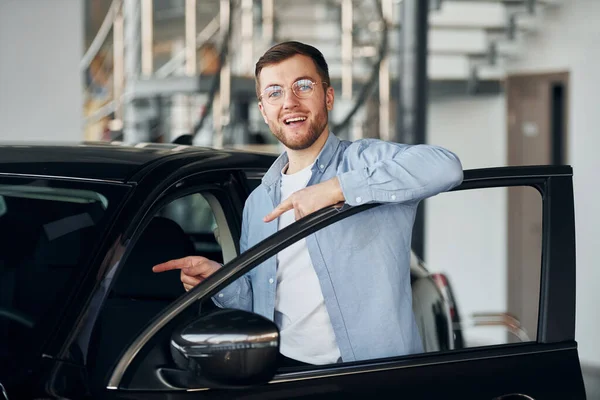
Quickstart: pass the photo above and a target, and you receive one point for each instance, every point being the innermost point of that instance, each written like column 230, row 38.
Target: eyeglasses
column 302, row 88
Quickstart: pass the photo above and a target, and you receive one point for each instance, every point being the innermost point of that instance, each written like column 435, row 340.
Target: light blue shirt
column 363, row 261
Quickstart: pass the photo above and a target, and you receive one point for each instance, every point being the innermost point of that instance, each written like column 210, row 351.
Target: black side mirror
column 228, row 348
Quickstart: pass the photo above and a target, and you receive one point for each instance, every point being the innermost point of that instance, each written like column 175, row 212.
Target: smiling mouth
column 295, row 120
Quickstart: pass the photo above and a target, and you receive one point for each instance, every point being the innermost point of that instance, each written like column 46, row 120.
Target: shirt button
column 220, row 294
column 271, row 280
column 393, row 197
column 321, row 166
column 358, row 199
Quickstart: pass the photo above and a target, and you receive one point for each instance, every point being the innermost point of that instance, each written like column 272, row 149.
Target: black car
column 82, row 314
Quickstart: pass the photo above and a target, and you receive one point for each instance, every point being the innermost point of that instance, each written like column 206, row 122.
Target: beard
column 297, row 142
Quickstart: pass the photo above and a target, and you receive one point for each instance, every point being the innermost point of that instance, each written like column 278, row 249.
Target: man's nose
column 290, row 100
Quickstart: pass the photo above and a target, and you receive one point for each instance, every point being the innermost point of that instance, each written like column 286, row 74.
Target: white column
column 223, row 100
column 384, row 81
column 147, row 38
column 347, row 49
column 247, row 31
column 133, row 131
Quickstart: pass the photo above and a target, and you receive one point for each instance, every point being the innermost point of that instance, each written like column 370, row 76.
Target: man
column 343, row 293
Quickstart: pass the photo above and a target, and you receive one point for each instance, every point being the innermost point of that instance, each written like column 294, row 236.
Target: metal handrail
column 511, row 323
column 100, row 113
column 167, row 69
column 214, row 87
column 205, row 35
column 368, row 86
column 100, row 37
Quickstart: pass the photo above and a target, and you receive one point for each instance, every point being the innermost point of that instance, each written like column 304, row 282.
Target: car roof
column 115, row 161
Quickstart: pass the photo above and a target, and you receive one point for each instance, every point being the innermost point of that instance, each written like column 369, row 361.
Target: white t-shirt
column 300, row 313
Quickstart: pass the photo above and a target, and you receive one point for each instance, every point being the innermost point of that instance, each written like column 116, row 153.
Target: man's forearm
column 384, row 172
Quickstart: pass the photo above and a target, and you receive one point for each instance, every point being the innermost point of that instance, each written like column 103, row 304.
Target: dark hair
column 282, row 51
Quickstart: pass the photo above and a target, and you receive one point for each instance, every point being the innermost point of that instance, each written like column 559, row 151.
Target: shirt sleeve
column 238, row 294
column 376, row 171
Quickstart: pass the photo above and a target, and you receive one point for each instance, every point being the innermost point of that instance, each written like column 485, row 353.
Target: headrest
column 161, row 241
column 68, row 239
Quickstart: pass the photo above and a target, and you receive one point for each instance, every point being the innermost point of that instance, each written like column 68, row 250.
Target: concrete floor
column 591, row 378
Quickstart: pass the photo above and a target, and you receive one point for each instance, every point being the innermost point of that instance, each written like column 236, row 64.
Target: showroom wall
column 41, row 45
column 568, row 41
column 476, row 129
column 466, row 233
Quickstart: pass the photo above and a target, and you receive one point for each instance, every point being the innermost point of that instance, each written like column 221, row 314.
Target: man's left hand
column 310, row 199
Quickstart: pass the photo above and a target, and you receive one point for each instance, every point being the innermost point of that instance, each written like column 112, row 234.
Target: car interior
column 138, row 294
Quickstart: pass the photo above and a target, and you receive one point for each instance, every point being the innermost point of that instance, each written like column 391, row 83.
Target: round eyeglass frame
column 281, row 99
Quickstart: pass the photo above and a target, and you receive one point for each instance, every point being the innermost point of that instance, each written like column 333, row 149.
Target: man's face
column 309, row 114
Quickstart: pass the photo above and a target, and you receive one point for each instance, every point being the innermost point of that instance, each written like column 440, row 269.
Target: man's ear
column 329, row 98
column 262, row 112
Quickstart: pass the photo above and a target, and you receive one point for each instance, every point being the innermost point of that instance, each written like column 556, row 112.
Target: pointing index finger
column 171, row 265
column 280, row 209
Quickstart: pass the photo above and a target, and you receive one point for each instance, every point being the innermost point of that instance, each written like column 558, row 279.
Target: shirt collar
column 321, row 162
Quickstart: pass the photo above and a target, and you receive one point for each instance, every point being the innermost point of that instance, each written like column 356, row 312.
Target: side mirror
column 228, row 348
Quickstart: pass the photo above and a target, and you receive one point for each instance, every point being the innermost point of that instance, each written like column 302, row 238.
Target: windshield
column 48, row 231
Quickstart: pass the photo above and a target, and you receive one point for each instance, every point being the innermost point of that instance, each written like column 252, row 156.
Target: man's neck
column 300, row 159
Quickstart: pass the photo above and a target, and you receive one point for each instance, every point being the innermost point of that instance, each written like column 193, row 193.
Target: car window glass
column 254, row 179
column 483, row 248
column 194, row 215
column 48, row 231
column 184, row 227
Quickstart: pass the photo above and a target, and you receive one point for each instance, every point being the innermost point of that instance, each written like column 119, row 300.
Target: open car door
column 239, row 359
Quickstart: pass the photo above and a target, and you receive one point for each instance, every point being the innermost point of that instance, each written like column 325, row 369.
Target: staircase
column 470, row 43
column 468, row 39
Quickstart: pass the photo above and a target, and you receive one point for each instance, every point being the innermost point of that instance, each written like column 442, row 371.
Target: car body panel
column 535, row 372
column 115, row 163
column 546, row 369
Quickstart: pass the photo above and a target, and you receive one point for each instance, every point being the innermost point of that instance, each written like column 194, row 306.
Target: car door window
column 140, row 369
column 192, row 224
column 196, row 218
column 254, row 178
column 49, row 231
column 488, row 278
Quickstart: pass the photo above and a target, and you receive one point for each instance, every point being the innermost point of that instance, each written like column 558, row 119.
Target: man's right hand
column 194, row 269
